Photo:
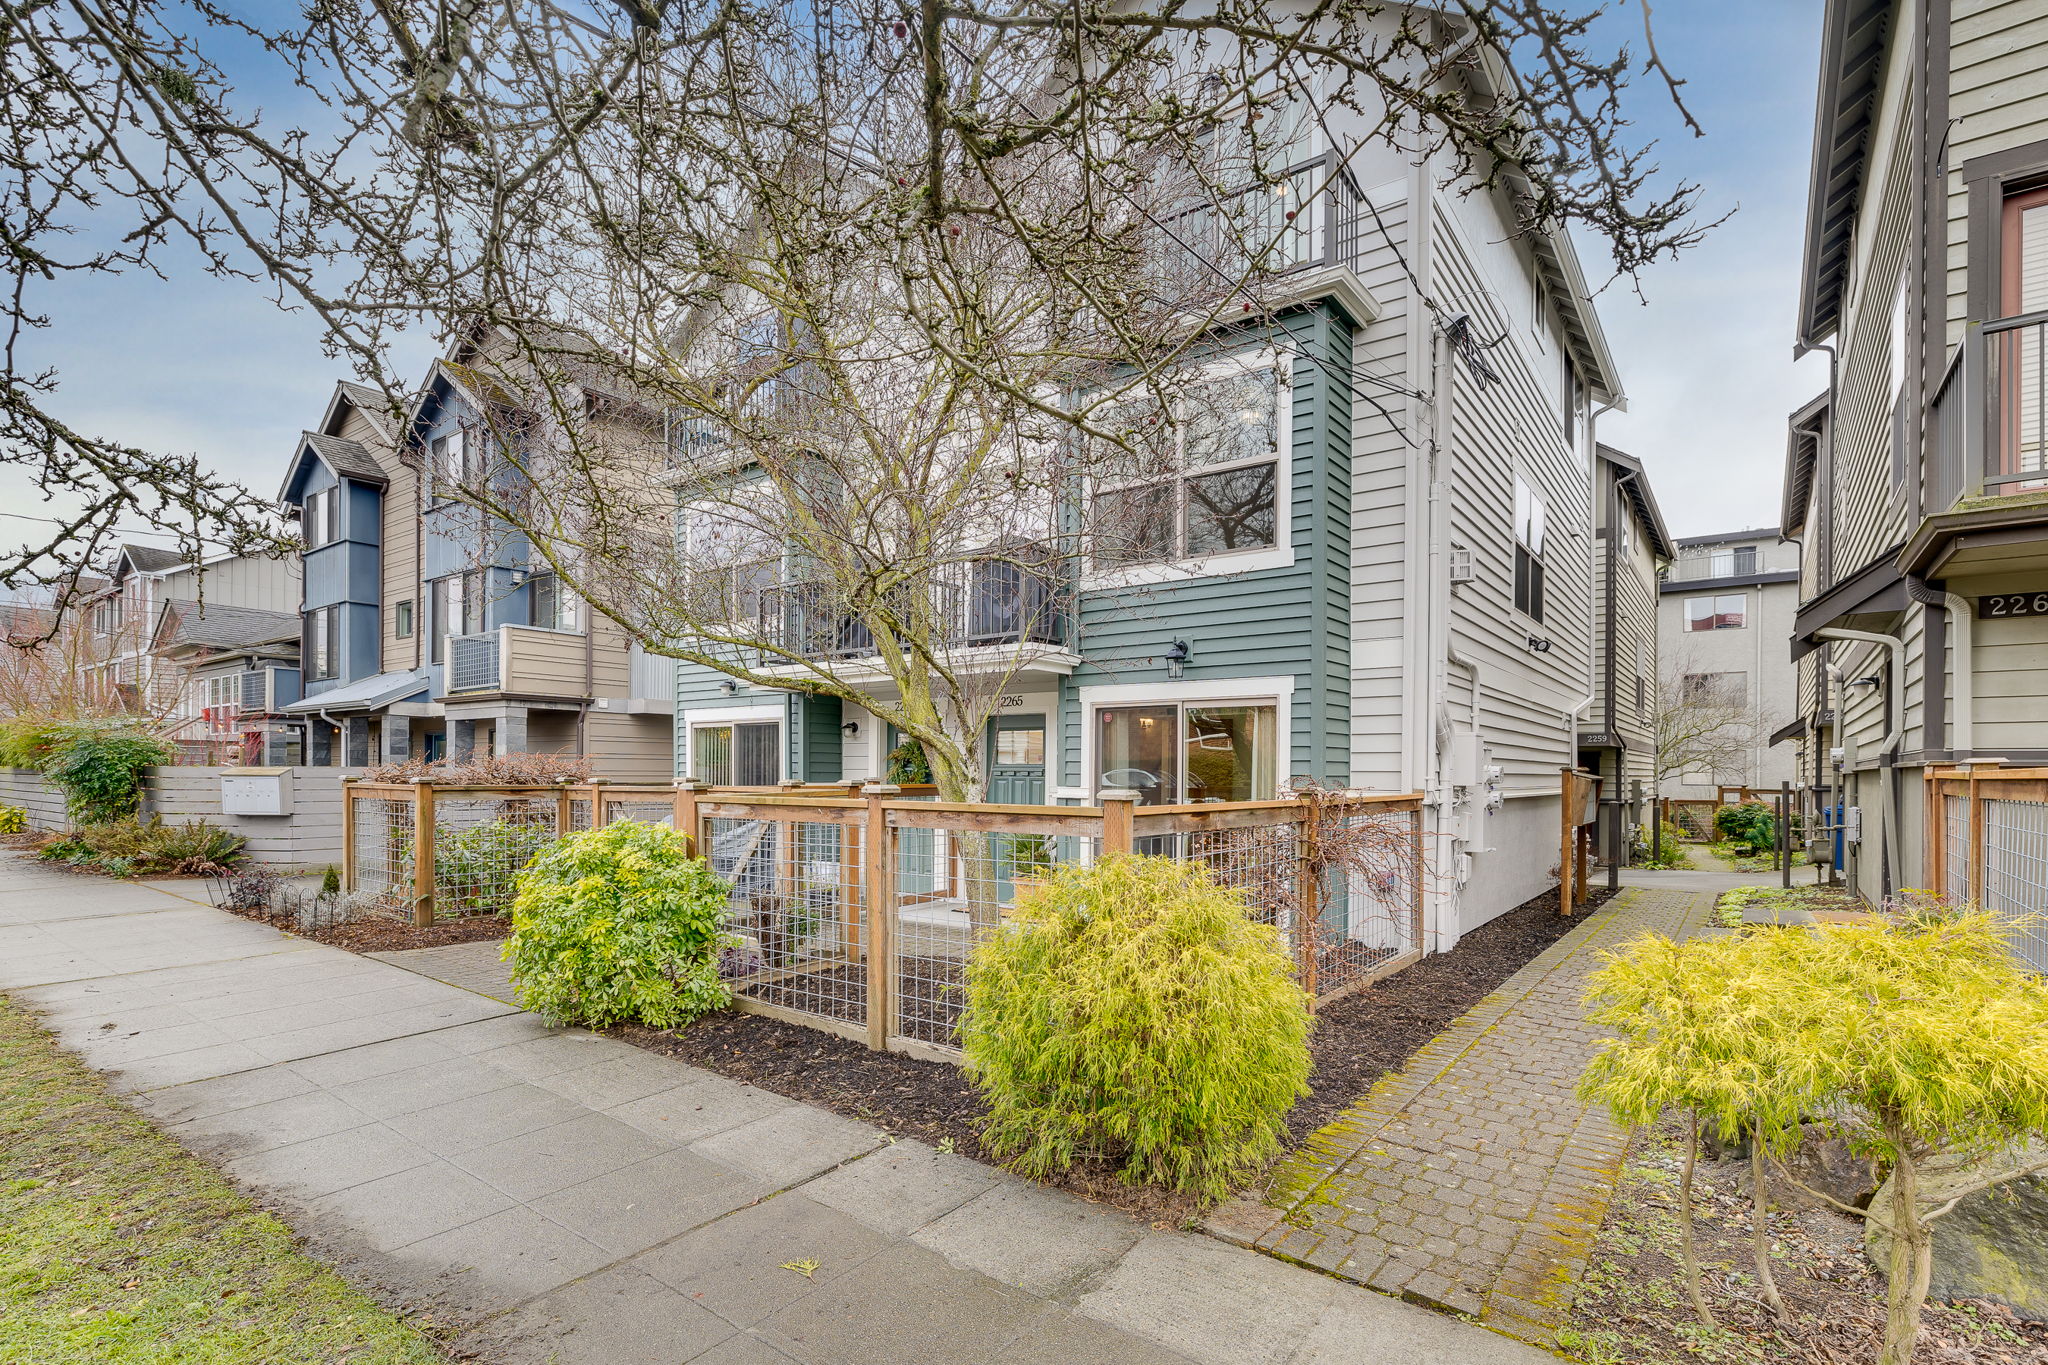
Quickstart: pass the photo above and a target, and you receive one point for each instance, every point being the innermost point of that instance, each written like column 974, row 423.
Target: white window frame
column 1539, row 500
column 320, row 518
column 1277, row 692
column 1280, row 554
column 1716, row 598
column 567, row 604
column 711, row 717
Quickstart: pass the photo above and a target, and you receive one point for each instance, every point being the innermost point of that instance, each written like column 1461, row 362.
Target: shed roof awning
column 365, row 694
column 1876, row 590
column 1795, row 730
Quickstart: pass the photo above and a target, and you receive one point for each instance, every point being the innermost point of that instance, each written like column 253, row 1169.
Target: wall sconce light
column 730, row 687
column 1177, row 655
column 1538, row 645
column 1872, row 681
column 849, row 728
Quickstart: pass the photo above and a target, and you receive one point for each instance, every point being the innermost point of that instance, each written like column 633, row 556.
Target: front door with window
column 1016, row 777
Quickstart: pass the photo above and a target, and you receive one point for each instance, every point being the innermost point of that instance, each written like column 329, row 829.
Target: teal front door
column 1016, row 777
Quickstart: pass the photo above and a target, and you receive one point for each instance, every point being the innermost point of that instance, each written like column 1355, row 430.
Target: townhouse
column 240, row 669
column 1379, row 573
column 1916, row 485
column 1725, row 609
column 429, row 632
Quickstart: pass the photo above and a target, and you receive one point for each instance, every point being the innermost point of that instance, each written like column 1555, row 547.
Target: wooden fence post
column 686, row 812
column 348, row 836
column 565, row 819
column 1308, row 901
column 1975, row 843
column 1567, row 840
column 1119, row 809
column 599, row 816
column 879, row 905
column 422, row 853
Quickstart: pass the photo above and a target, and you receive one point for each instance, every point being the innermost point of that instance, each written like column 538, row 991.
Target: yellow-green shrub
column 13, row 820
column 1132, row 1010
column 617, row 924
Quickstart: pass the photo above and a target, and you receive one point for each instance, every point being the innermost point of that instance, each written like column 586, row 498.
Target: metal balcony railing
column 1307, row 219
column 970, row 605
column 1690, row 568
column 473, row 662
column 2016, row 448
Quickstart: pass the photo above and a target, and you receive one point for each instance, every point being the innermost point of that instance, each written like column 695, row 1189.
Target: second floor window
column 1211, row 487
column 1530, row 518
column 323, row 643
column 734, row 562
column 106, row 617
column 322, row 517
column 553, row 605
column 457, row 460
column 223, row 689
column 457, row 608
column 1724, row 611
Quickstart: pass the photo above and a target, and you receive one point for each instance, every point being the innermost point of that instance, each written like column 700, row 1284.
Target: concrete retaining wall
column 308, row 837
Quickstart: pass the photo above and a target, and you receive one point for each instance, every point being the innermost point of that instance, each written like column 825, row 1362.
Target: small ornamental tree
column 1916, row 1042
column 618, row 924
column 1134, row 1011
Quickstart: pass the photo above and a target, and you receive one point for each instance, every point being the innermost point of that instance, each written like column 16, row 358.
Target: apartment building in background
column 428, row 632
column 1724, row 612
column 1917, row 485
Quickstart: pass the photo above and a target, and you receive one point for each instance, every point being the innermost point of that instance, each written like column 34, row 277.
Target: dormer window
column 322, row 517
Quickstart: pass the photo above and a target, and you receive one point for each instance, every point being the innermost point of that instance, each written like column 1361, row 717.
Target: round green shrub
column 1751, row 826
column 100, row 769
column 1132, row 1011
column 618, row 924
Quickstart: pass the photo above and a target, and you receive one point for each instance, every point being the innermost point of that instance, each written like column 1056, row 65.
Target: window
column 457, row 608
column 321, row 519
column 742, row 754
column 1530, row 518
column 1725, row 611
column 1186, row 752
column 1210, row 485
column 2018, row 353
column 401, row 619
column 457, row 459
column 1021, row 747
column 553, row 606
column 734, row 562
column 1642, row 699
column 1715, row 689
column 106, row 616
column 323, row 643
column 222, row 689
column 1571, row 404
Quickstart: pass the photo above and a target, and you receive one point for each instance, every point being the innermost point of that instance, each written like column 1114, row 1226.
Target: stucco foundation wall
column 1519, row 862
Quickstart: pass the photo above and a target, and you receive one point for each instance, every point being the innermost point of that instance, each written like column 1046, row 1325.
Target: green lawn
column 118, row 1246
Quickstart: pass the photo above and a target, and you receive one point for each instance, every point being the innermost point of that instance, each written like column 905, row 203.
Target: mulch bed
column 1357, row 1039
column 382, row 934
column 1632, row 1308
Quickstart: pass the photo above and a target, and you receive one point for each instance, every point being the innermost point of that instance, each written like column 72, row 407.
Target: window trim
column 404, row 619
column 715, row 716
column 1280, row 554
column 1715, row 598
column 322, row 637
column 1539, row 596
column 1277, row 691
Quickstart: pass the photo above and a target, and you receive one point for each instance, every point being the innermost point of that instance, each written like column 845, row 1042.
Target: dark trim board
column 1752, row 580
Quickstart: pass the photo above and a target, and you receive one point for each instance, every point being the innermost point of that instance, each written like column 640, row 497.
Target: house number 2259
column 2014, row 604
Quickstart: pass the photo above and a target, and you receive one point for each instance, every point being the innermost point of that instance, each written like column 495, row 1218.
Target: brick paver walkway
column 1474, row 1179
column 472, row 966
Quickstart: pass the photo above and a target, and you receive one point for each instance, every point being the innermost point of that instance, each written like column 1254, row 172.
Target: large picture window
column 323, row 643
column 740, row 754
column 1180, row 752
column 1723, row 611
column 1531, row 524
column 1208, row 485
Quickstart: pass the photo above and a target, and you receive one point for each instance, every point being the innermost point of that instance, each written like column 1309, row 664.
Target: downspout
column 1962, row 738
column 1571, row 752
column 1888, row 813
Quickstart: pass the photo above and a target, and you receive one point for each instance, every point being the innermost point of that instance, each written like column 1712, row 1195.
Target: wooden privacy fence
column 1987, row 845
column 853, row 909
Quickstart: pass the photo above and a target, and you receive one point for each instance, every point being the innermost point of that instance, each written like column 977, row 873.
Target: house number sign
column 2013, row 604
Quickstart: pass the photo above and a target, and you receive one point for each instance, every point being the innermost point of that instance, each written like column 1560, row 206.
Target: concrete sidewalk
column 573, row 1199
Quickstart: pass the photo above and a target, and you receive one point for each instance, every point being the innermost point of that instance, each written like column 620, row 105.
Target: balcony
column 1987, row 452
column 524, row 661
column 979, row 605
column 1307, row 220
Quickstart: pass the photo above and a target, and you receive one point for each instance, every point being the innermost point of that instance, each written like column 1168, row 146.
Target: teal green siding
column 1295, row 620
column 814, row 738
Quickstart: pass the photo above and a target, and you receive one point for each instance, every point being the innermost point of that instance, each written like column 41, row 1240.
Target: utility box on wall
column 255, row 791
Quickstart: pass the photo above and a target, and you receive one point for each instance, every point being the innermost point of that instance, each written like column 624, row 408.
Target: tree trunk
column 1912, row 1262
column 1760, row 1191
column 1689, row 1251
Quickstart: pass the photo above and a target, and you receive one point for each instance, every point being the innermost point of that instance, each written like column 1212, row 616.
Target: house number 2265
column 2014, row 604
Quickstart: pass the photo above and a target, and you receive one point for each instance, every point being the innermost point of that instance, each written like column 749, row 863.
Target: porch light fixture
column 1872, row 681
column 849, row 728
column 1538, row 645
column 1177, row 655
column 729, row 687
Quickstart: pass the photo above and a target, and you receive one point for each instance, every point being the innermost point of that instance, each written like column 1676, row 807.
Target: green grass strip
column 119, row 1246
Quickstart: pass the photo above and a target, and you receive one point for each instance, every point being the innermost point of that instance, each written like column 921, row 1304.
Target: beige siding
column 629, row 748
column 399, row 559
column 544, row 663
column 1997, row 99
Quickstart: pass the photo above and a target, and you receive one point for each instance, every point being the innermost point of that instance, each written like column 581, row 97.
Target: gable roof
column 1855, row 35
column 147, row 559
column 351, row 397
column 186, row 624
column 1641, row 498
column 346, row 459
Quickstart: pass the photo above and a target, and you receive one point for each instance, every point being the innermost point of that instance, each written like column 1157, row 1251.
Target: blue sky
column 192, row 364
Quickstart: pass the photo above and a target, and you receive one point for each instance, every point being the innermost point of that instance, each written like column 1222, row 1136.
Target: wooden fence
column 1579, row 813
column 853, row 909
column 1987, row 845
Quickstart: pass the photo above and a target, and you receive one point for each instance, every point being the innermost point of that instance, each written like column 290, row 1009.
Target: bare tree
column 1704, row 724
column 457, row 161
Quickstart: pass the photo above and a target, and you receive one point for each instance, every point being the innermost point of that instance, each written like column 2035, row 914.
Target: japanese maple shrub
column 618, row 924
column 1133, row 1010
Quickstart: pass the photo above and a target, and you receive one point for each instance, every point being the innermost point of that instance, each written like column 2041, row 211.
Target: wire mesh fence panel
column 1694, row 819
column 954, row 887
column 1956, row 847
column 481, row 843
column 797, row 913
column 579, row 813
column 1262, row 862
column 381, row 855
column 650, row 811
column 1366, row 911
column 2016, row 873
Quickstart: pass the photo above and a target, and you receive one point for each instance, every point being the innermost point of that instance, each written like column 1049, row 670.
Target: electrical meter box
column 255, row 791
